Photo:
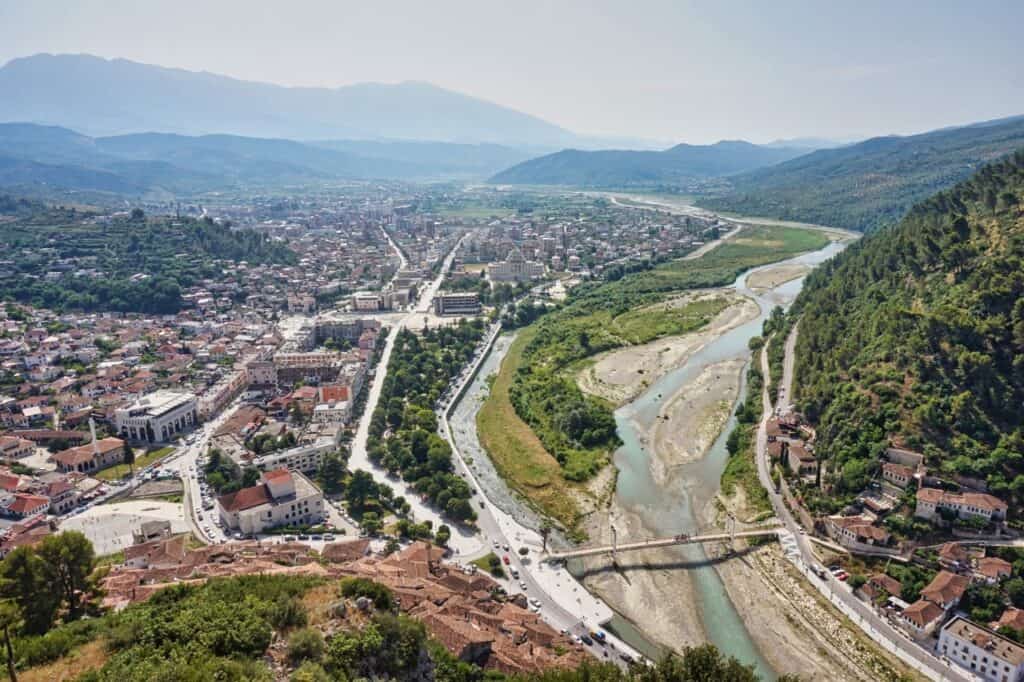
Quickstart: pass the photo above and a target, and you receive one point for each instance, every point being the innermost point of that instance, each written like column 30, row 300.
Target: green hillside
column 870, row 184
column 916, row 334
column 626, row 168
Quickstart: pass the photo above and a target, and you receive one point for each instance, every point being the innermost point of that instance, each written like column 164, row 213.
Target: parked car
column 505, row 559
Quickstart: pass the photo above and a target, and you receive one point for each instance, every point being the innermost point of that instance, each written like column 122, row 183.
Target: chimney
column 92, row 431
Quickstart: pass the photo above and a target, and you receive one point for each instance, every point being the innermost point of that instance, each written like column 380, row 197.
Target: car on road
column 522, row 585
column 289, row 538
column 505, row 559
column 586, row 640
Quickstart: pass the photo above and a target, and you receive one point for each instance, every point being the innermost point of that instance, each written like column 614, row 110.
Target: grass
column 484, row 564
column 114, row 559
column 517, row 453
column 119, row 471
column 89, row 656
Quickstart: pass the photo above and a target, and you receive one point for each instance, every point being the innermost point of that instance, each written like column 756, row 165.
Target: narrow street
column 829, row 586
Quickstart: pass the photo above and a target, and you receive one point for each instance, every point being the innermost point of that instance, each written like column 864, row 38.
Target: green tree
column 25, row 581
column 306, row 644
column 69, row 561
column 10, row 619
column 332, row 473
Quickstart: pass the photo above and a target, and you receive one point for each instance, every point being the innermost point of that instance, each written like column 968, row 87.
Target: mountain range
column 115, row 96
column 872, row 183
column 54, row 159
column 626, row 168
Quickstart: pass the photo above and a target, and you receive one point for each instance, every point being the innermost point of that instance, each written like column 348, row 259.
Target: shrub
column 305, row 645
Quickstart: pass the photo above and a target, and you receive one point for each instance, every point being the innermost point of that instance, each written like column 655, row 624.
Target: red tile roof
column 246, row 498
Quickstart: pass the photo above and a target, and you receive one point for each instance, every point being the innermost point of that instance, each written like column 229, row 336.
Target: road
column 831, row 588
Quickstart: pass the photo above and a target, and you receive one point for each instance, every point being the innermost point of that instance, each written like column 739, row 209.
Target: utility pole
column 615, row 541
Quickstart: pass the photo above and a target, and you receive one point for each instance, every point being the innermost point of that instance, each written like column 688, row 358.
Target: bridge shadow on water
column 623, row 567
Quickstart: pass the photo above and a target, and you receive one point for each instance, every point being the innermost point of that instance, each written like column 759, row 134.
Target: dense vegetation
column 62, row 259
column 741, row 467
column 870, row 184
column 224, row 629
column 403, row 430
column 916, row 336
column 578, row 430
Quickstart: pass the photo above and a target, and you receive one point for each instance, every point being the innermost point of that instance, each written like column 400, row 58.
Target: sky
column 663, row 70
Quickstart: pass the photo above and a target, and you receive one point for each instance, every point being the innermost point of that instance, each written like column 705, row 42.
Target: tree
column 545, row 530
column 332, row 473
column 444, row 533
column 129, row 459
column 25, row 581
column 69, row 560
column 10, row 619
column 305, row 645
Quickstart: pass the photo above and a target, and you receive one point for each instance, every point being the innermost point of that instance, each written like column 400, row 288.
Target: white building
column 466, row 303
column 981, row 651
column 930, row 502
column 282, row 498
column 157, row 417
column 333, row 412
column 305, row 458
column 515, row 269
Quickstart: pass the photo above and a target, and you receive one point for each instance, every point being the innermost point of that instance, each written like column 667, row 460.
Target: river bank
column 620, row 375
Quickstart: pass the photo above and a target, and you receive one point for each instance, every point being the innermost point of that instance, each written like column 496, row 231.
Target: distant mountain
column 56, row 159
column 625, row 168
column 809, row 143
column 108, row 97
column 863, row 186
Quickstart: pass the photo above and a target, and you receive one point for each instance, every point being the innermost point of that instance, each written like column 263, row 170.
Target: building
column 898, row 474
column 855, row 532
column 921, row 617
column 305, row 458
column 993, row 569
column 800, row 460
column 91, row 457
column 24, row 505
column 367, row 301
column 981, row 651
column 157, row 417
column 946, row 589
column 13, row 447
column 463, row 303
column 515, row 269
column 931, row 502
column 333, row 412
column 282, row 498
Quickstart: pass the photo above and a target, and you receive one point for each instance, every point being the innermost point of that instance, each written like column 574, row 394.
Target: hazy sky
column 670, row 70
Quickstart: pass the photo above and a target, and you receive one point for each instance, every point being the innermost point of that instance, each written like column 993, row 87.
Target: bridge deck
column 659, row 542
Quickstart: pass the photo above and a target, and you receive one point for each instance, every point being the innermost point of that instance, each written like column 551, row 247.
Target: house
column 953, row 556
column 921, row 617
column 774, row 430
column 801, row 461
column 854, row 531
column 62, row 495
column 282, row 498
column 24, row 505
column 993, row 569
column 161, row 553
column 981, row 651
column 881, row 584
column 946, row 589
column 91, row 457
column 899, row 475
column 13, row 447
column 27, row 533
column 931, row 502
column 1011, row 618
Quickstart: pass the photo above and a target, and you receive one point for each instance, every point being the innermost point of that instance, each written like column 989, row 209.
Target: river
column 676, row 505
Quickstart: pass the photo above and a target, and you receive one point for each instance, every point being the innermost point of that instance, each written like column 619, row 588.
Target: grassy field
column 517, row 453
column 119, row 471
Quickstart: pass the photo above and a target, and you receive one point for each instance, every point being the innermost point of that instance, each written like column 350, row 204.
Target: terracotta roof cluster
column 984, row 501
column 246, row 498
column 459, row 609
column 1011, row 618
column 994, row 568
column 922, row 613
column 84, row 453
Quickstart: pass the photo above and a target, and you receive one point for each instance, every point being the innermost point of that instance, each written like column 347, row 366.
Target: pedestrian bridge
column 681, row 539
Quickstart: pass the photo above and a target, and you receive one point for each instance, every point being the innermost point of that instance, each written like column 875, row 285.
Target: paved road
column 836, row 591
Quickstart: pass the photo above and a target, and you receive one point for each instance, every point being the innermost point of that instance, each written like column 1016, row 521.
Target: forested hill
column 127, row 263
column 916, row 335
column 870, row 184
column 627, row 168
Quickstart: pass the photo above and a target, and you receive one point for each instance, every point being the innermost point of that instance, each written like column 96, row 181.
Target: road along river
column 675, row 503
